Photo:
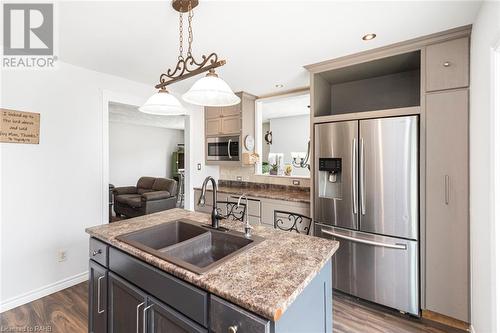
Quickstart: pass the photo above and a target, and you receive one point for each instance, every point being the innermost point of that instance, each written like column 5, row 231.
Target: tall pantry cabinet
column 447, row 179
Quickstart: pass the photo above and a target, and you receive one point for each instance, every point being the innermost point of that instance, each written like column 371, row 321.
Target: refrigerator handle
column 362, row 175
column 365, row 241
column 354, row 183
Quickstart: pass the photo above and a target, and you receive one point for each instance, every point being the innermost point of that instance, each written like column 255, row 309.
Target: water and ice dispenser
column 330, row 178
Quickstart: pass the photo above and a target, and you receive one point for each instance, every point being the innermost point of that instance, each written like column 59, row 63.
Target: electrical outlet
column 61, row 255
column 199, row 166
column 296, row 182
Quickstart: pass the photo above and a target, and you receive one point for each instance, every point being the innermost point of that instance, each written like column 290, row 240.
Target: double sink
column 190, row 245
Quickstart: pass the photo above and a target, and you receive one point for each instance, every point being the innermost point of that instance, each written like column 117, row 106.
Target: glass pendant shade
column 211, row 91
column 164, row 104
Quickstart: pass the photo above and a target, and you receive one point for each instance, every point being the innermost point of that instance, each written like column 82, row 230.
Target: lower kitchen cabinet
column 260, row 210
column 132, row 310
column 162, row 318
column 126, row 306
column 118, row 305
column 98, row 291
column 269, row 206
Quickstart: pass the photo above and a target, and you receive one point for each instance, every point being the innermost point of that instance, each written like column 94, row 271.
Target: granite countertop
column 265, row 279
column 269, row 193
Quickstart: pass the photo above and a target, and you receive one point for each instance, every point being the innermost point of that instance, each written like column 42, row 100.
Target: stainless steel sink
column 190, row 245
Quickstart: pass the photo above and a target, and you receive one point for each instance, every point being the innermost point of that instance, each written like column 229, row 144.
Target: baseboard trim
column 445, row 320
column 43, row 291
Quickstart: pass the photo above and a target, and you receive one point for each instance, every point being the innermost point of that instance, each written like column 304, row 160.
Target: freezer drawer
column 379, row 269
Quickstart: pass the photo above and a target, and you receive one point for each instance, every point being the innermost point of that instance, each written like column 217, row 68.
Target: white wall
column 52, row 191
column 136, row 151
column 485, row 34
column 290, row 134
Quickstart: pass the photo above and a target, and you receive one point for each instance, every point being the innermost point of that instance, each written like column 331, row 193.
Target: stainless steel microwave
column 224, row 148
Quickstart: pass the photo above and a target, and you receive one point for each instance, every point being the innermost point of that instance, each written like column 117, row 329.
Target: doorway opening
column 141, row 148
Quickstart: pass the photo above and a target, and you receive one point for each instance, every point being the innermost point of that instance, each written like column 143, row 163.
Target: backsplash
column 247, row 174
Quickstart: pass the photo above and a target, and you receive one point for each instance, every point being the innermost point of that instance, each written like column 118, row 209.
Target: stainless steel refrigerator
column 366, row 197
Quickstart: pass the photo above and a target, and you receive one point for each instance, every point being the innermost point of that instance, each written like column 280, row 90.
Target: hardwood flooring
column 66, row 311
column 61, row 312
column 354, row 316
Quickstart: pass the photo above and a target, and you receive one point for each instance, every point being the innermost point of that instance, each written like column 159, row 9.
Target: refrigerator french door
column 366, row 197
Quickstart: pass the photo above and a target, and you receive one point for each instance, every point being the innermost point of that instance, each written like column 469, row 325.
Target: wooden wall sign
column 19, row 127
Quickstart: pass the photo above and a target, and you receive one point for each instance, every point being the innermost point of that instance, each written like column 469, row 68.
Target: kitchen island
column 282, row 284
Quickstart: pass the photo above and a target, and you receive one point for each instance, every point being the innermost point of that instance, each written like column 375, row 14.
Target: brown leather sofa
column 151, row 195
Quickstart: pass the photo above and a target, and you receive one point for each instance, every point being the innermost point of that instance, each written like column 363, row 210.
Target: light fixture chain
column 181, row 37
column 190, row 29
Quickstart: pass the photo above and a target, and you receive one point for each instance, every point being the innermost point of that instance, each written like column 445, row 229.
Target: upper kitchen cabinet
column 447, row 65
column 226, row 129
column 228, row 120
column 388, row 83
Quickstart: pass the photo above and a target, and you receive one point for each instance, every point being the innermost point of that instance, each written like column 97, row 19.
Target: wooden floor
column 66, row 311
column 61, row 312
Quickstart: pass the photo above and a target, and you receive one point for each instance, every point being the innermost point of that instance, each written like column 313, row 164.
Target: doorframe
column 495, row 150
column 108, row 96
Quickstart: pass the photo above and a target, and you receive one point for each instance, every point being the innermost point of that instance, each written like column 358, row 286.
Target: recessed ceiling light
column 279, row 85
column 369, row 36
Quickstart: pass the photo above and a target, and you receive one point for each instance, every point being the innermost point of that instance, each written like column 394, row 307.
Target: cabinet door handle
column 232, row 329
column 446, row 64
column 229, row 149
column 137, row 317
column 96, row 252
column 99, row 311
column 446, row 189
column 144, row 317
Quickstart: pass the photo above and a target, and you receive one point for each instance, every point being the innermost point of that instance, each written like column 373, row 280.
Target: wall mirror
column 282, row 135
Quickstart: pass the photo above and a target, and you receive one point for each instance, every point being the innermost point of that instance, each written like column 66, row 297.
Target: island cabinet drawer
column 181, row 296
column 227, row 317
column 98, row 251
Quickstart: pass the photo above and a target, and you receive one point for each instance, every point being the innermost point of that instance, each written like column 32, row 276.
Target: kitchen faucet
column 215, row 214
column 248, row 227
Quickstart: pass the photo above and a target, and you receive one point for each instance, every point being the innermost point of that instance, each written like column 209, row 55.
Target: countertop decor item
column 274, row 170
column 207, row 91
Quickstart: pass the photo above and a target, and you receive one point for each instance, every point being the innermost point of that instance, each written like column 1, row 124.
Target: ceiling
column 264, row 42
column 128, row 114
column 291, row 106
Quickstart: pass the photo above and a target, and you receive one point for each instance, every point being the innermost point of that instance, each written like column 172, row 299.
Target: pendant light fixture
column 207, row 91
column 164, row 104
